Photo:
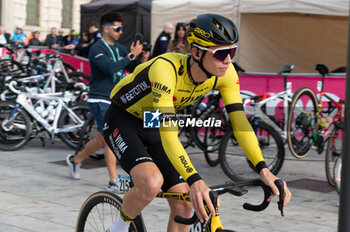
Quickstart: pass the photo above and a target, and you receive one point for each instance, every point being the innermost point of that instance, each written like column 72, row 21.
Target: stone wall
column 13, row 13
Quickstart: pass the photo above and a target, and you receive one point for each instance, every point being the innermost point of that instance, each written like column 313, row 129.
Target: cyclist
column 154, row 157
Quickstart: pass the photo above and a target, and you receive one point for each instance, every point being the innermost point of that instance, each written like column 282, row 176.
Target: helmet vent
column 217, row 24
column 226, row 34
column 216, row 36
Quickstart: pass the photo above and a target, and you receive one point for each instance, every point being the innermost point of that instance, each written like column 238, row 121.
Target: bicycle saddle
column 322, row 69
column 286, row 69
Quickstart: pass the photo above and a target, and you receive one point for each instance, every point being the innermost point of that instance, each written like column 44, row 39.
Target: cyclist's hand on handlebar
column 268, row 178
column 199, row 192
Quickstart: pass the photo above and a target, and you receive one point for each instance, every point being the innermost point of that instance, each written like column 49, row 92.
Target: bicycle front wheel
column 100, row 211
column 333, row 153
column 72, row 138
column 15, row 127
column 234, row 162
column 302, row 124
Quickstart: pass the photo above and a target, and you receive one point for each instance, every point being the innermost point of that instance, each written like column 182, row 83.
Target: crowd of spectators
column 71, row 43
column 170, row 39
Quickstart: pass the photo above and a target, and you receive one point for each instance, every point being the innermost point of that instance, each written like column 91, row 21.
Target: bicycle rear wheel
column 16, row 134
column 100, row 211
column 302, row 124
column 333, row 153
column 234, row 162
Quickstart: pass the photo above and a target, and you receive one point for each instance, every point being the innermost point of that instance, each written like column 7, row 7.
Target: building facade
column 40, row 15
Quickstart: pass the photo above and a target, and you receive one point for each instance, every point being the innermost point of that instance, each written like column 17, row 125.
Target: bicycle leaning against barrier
column 311, row 122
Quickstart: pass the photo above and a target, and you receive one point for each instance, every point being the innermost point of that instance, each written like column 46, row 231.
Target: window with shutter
column 32, row 12
column 67, row 13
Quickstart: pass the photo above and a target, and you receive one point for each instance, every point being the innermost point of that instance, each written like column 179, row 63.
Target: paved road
column 36, row 194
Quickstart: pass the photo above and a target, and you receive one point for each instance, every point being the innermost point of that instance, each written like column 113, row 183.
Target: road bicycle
column 101, row 209
column 21, row 120
column 310, row 118
column 257, row 107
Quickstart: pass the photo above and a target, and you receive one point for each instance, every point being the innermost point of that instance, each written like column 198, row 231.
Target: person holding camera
column 109, row 61
column 179, row 43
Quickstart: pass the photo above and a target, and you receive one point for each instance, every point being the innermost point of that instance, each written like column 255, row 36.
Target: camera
column 145, row 46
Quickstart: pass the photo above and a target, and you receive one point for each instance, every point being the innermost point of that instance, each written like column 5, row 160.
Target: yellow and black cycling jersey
column 164, row 83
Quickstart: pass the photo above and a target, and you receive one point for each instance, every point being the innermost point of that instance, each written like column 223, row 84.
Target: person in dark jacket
column 108, row 61
column 35, row 41
column 163, row 39
column 52, row 39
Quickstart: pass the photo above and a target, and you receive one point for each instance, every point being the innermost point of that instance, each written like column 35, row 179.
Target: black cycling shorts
column 132, row 144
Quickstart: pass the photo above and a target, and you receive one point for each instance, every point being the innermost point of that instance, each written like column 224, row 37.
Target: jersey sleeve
column 230, row 91
column 162, row 75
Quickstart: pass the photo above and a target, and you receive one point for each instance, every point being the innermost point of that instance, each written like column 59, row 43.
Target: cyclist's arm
column 230, row 91
column 163, row 78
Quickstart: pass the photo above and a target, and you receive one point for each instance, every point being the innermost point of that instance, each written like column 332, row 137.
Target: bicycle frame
column 325, row 130
column 258, row 113
column 24, row 100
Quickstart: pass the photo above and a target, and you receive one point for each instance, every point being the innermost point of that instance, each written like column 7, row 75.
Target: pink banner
column 260, row 84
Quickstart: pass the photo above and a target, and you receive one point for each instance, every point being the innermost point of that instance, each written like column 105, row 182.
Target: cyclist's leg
column 122, row 134
column 173, row 182
column 111, row 162
column 181, row 208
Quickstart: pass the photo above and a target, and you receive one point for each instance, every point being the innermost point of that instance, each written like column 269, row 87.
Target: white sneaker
column 73, row 168
column 118, row 186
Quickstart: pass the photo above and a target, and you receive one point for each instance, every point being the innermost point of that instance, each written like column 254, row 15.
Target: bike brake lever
column 280, row 186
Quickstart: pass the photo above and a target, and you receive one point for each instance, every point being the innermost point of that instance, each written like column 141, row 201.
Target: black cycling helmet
column 212, row 30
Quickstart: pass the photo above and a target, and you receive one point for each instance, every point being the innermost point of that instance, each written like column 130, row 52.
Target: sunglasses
column 115, row 28
column 220, row 53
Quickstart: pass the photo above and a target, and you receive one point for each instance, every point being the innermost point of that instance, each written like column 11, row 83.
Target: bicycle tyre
column 79, row 77
column 234, row 162
column 204, row 111
column 87, row 132
column 302, row 123
column 337, row 174
column 69, row 68
column 333, row 152
column 10, row 66
column 108, row 203
column 71, row 139
column 13, row 137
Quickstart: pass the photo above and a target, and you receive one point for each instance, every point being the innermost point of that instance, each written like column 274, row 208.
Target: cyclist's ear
column 195, row 53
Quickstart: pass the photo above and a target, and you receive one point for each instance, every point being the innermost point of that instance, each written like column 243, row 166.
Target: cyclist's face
column 214, row 65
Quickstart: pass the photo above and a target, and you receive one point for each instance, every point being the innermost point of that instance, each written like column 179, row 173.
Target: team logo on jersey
column 161, row 87
column 151, row 119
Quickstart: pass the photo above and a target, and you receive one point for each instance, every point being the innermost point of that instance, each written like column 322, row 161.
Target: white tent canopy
column 272, row 32
column 175, row 11
column 322, row 7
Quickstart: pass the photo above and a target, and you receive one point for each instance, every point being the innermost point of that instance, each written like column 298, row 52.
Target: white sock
column 120, row 225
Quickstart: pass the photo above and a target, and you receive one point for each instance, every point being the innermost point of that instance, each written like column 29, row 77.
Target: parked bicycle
column 101, row 209
column 38, row 114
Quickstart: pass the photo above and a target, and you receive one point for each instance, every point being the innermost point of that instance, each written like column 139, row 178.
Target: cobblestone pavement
column 37, row 194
